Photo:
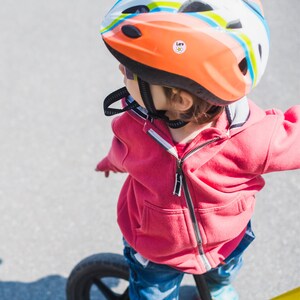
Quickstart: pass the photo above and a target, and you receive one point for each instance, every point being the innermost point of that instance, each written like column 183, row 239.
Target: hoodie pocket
column 224, row 223
column 164, row 231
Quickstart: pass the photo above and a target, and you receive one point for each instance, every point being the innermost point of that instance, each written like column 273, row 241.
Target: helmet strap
column 153, row 113
column 115, row 97
column 145, row 91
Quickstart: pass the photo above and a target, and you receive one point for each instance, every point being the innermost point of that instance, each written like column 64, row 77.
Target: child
column 193, row 145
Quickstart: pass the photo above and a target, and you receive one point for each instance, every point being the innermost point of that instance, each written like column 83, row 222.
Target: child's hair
column 200, row 112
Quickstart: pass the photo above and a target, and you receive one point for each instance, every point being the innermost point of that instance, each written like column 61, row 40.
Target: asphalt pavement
column 55, row 209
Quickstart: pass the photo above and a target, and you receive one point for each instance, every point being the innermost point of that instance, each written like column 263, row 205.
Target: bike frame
column 202, row 287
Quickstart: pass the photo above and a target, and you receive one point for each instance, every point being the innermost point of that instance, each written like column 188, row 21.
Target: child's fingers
column 106, row 173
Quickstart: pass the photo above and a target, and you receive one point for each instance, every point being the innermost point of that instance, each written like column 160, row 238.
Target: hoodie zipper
column 179, row 162
column 180, row 183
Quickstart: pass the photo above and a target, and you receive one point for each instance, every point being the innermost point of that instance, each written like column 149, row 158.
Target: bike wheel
column 97, row 277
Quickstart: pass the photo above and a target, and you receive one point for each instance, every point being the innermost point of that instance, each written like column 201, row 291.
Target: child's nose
column 122, row 69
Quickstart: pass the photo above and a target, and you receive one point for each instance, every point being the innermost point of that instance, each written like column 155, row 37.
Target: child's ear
column 185, row 101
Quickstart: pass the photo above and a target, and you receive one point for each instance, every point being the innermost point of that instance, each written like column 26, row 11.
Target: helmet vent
column 236, row 24
column 195, row 6
column 131, row 31
column 243, row 65
column 260, row 50
column 138, row 9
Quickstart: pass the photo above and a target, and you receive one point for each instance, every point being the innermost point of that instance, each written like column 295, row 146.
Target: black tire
column 99, row 275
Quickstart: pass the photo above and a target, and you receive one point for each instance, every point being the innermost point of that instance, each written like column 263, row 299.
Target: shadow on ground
column 53, row 288
column 48, row 288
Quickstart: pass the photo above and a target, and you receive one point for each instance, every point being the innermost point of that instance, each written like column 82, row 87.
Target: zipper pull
column 178, row 180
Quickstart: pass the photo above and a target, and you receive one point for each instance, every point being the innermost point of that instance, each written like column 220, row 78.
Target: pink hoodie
column 191, row 212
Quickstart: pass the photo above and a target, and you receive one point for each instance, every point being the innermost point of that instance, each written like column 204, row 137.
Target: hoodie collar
column 238, row 113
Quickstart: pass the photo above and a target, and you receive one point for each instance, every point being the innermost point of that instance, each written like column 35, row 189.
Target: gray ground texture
column 55, row 210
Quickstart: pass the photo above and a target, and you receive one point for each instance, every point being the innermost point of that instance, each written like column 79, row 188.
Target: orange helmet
column 214, row 49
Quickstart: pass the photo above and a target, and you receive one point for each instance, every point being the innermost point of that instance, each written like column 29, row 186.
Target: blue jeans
column 151, row 281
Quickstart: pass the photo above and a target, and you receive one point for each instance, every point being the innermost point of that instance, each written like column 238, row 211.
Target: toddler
column 193, row 145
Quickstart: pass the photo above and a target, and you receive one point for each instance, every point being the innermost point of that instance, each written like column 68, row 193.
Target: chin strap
column 148, row 101
column 115, row 97
column 153, row 113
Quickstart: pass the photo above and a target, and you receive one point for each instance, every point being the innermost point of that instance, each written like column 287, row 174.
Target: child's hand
column 105, row 166
column 106, row 173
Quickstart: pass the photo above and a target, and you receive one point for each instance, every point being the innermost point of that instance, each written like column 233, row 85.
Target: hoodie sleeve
column 284, row 147
column 116, row 155
column 113, row 161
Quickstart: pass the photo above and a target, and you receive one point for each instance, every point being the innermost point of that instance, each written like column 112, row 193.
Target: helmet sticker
column 179, row 47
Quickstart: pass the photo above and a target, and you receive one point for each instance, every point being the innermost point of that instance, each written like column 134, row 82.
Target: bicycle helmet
column 214, row 49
